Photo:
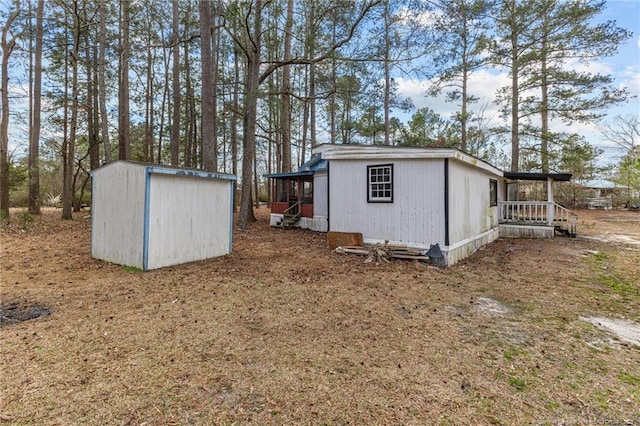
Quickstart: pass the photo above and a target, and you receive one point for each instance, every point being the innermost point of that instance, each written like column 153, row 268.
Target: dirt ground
column 283, row 331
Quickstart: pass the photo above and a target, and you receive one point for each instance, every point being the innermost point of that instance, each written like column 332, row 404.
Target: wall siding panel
column 118, row 215
column 470, row 212
column 416, row 216
column 320, row 200
column 189, row 219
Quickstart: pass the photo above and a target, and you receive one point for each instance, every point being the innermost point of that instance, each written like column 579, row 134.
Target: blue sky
column 624, row 67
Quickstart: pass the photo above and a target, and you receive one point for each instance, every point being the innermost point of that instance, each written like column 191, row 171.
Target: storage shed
column 151, row 216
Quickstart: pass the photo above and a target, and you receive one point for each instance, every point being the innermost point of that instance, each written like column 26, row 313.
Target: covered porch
column 537, row 219
column 300, row 197
column 293, row 196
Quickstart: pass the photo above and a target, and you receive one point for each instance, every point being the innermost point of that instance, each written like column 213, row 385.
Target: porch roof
column 315, row 164
column 558, row 177
column 289, row 175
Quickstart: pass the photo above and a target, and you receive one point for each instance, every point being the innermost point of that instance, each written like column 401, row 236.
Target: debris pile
column 385, row 252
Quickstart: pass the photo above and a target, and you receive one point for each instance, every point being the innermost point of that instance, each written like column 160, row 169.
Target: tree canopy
column 251, row 86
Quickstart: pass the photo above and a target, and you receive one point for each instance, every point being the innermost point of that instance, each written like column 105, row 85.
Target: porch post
column 550, row 203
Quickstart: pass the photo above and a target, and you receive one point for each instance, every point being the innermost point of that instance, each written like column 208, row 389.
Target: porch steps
column 288, row 221
column 565, row 229
column 565, row 221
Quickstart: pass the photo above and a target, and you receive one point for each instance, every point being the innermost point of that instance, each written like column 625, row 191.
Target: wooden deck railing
column 538, row 213
column 565, row 220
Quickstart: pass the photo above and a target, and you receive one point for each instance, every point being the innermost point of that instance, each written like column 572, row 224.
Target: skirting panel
column 317, row 223
column 466, row 248
column 521, row 231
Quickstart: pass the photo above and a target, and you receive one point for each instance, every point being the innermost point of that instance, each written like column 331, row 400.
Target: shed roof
column 169, row 170
column 288, row 175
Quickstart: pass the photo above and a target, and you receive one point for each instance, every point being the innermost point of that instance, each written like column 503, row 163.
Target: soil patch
column 15, row 312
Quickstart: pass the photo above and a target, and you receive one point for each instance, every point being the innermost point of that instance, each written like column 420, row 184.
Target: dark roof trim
column 288, row 175
column 558, row 177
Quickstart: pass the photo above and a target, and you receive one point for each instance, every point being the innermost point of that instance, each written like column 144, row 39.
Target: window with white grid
column 380, row 183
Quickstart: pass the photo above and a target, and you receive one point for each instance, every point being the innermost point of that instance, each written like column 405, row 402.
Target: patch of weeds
column 602, row 398
column 533, row 306
column 414, row 412
column 132, row 269
column 572, row 375
column 552, row 406
column 518, row 383
column 629, row 378
column 615, row 284
column 511, row 354
column 605, row 274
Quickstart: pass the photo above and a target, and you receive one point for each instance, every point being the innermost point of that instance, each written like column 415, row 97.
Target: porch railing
column 538, row 213
column 291, row 216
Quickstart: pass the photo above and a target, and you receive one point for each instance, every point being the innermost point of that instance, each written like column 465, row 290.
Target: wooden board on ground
column 337, row 239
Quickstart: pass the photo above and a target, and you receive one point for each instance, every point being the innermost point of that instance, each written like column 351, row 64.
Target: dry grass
column 283, row 331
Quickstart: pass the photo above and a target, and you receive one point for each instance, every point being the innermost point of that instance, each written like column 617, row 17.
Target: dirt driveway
column 283, row 331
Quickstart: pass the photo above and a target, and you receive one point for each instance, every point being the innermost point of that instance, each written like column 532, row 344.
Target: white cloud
column 630, row 78
column 482, row 84
column 425, row 18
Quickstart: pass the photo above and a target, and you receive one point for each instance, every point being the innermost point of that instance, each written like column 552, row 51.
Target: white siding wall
column 189, row 219
column 117, row 214
column 320, row 207
column 470, row 213
column 416, row 216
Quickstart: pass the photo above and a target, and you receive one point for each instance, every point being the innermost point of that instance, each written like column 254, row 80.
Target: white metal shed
column 151, row 216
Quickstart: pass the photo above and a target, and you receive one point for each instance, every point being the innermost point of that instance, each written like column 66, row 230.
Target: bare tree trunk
column 334, row 88
column 92, row 128
column 7, row 48
column 163, row 108
column 252, row 82
column 515, row 122
column 102, row 88
column 34, row 137
column 67, row 192
column 148, row 110
column 189, row 114
column 544, row 102
column 208, row 124
column 175, row 121
column 234, row 120
column 256, row 186
column 286, row 92
column 124, row 122
column 387, row 72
